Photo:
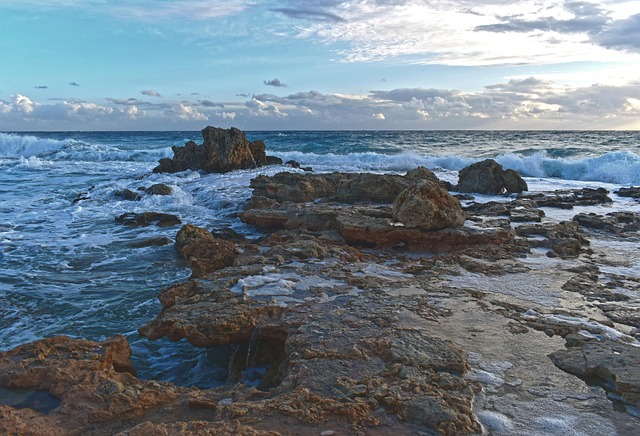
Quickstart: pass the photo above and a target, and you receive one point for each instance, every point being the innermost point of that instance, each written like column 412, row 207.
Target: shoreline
column 346, row 325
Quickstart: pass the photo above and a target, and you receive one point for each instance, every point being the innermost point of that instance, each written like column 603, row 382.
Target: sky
column 69, row 65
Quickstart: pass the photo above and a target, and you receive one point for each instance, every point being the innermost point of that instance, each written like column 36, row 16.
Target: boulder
column 159, row 189
column 488, row 177
column 631, row 191
column 222, row 151
column 203, row 252
column 297, row 188
column 128, row 194
column 421, row 173
column 380, row 188
column 428, row 206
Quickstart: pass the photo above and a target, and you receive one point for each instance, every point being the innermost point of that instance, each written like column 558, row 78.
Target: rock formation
column 203, row 252
column 488, row 177
column 427, row 206
column 222, row 151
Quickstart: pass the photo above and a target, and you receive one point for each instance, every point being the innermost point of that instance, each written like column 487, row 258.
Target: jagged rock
column 615, row 364
column 631, row 191
column 371, row 187
column 159, row 189
column 588, row 285
column 488, row 177
column 297, row 188
column 222, row 151
column 128, row 194
column 569, row 199
column 421, row 173
column 148, row 218
column 203, row 252
column 614, row 222
column 427, row 206
column 563, row 239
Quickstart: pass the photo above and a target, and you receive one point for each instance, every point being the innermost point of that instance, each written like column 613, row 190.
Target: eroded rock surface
column 222, row 151
column 488, row 177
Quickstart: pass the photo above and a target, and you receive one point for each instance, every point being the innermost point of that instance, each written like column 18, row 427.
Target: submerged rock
column 222, row 151
column 488, row 177
column 631, row 191
column 148, row 218
column 128, row 194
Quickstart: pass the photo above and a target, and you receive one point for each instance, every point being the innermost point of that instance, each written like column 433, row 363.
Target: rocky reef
column 371, row 304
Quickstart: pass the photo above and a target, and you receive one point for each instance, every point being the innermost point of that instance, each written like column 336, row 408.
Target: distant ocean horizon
column 66, row 266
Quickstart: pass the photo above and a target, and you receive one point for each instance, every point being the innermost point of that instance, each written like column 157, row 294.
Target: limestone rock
column 631, row 191
column 615, row 364
column 421, row 173
column 128, row 194
column 488, row 177
column 297, row 188
column 222, row 151
column 371, row 187
column 203, row 252
column 428, row 206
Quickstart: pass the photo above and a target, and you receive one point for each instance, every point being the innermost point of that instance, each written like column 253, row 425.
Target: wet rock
column 159, row 189
column 81, row 197
column 222, row 151
column 564, row 239
column 128, row 194
column 427, row 206
column 203, row 252
column 151, row 242
column 148, row 218
column 488, row 177
column 619, row 223
column 292, row 164
column 589, row 286
column 371, row 188
column 569, row 198
column 632, row 191
column 273, row 160
column 615, row 365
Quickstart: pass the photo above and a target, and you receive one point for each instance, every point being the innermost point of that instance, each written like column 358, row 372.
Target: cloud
column 41, row 87
column 207, row 103
column 470, row 32
column 309, row 14
column 195, row 10
column 275, row 82
column 517, row 103
column 74, row 84
column 622, row 35
column 150, row 93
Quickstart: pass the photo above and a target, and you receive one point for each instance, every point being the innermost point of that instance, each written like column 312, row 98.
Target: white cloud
column 185, row 112
column 463, row 32
column 378, row 116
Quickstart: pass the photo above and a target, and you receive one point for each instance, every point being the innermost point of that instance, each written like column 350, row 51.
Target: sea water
column 67, row 268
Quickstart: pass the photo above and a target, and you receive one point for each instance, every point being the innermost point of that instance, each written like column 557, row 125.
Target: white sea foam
column 12, row 145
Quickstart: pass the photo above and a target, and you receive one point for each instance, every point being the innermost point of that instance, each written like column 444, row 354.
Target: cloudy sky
column 319, row 64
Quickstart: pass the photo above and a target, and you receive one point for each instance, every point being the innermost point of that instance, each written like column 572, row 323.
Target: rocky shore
column 373, row 304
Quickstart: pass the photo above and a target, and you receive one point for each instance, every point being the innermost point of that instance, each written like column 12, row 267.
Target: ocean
column 67, row 268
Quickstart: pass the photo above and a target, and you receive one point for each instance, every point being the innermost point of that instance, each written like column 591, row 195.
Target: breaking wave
column 620, row 167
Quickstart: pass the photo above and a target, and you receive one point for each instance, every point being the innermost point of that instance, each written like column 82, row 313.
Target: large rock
column 488, row 177
column 371, row 187
column 203, row 252
column 428, row 206
column 222, row 151
column 297, row 188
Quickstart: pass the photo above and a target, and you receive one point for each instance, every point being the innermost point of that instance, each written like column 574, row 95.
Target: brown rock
column 222, row 151
column 488, row 177
column 427, row 206
column 203, row 252
column 379, row 188
column 159, row 189
column 148, row 218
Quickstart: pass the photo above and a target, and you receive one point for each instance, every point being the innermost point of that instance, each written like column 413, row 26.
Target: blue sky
column 319, row 64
